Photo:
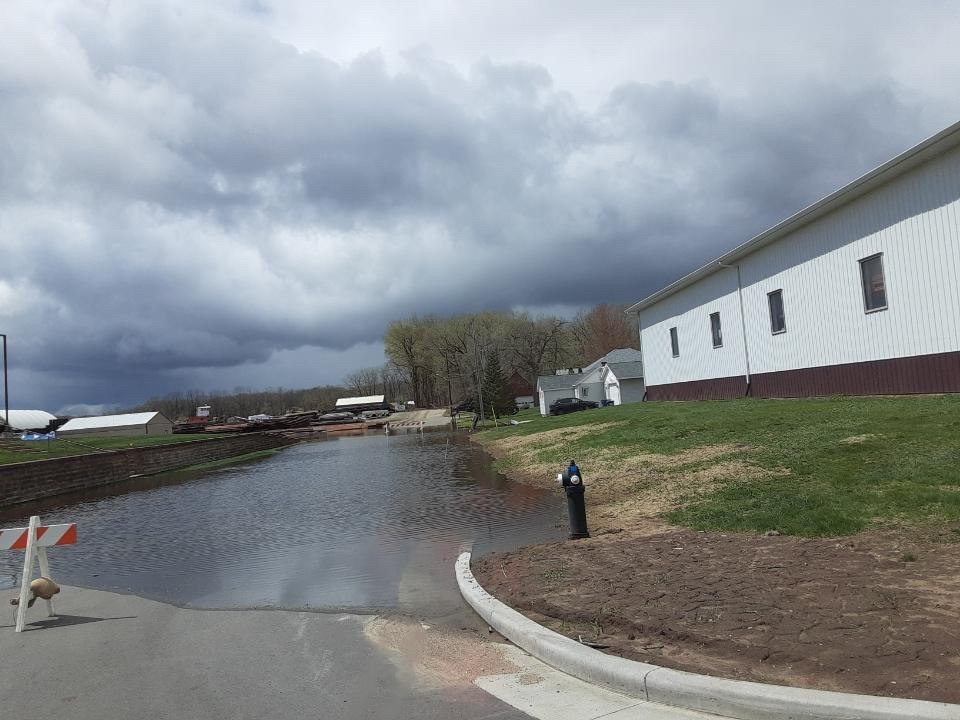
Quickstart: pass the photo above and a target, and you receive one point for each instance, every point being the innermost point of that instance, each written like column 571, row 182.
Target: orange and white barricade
column 34, row 540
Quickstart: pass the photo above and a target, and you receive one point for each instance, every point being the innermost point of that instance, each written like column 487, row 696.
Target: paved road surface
column 111, row 656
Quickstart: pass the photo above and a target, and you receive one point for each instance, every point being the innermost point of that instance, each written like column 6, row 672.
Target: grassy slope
column 42, row 450
column 905, row 472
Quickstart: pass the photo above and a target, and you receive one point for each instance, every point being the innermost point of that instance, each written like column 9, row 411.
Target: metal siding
column 912, row 220
column 632, row 390
column 689, row 311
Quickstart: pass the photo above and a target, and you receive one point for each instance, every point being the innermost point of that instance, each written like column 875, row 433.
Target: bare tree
column 366, row 381
column 602, row 329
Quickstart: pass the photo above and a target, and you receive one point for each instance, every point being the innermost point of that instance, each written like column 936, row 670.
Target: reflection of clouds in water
column 342, row 523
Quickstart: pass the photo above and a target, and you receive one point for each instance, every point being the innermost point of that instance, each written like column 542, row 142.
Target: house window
column 778, row 322
column 584, row 391
column 715, row 330
column 674, row 342
column 874, row 287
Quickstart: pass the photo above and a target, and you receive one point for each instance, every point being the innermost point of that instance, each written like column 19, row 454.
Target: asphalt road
column 113, row 656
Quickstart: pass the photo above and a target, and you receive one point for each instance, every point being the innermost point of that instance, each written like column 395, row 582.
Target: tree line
column 436, row 361
column 242, row 402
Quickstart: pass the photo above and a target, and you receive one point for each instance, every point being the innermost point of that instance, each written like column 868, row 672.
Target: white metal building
column 857, row 294
column 146, row 423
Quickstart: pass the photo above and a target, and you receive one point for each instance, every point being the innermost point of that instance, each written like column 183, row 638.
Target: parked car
column 570, row 404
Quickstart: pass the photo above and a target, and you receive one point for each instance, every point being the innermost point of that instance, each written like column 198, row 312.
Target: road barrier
column 35, row 539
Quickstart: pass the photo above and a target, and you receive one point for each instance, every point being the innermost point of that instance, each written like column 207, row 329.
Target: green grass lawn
column 836, row 466
column 17, row 451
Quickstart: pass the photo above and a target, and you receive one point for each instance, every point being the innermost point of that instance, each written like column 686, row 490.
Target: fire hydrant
column 572, row 481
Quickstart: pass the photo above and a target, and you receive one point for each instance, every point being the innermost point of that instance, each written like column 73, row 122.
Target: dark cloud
column 181, row 193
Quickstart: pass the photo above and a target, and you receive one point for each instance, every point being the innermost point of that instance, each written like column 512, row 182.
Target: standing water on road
column 358, row 523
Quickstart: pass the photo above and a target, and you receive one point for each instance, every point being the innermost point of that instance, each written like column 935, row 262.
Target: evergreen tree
column 496, row 393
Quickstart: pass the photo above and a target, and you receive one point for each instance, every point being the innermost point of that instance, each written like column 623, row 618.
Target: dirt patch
column 437, row 657
column 624, row 486
column 857, row 439
column 849, row 615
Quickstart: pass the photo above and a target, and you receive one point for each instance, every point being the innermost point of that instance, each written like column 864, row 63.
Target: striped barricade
column 34, row 540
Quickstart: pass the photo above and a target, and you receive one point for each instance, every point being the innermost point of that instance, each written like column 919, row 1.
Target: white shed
column 145, row 423
column 856, row 294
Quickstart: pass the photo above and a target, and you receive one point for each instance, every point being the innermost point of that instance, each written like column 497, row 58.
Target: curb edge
column 719, row 696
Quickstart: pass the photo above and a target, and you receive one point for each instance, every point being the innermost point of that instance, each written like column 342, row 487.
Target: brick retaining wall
column 29, row 481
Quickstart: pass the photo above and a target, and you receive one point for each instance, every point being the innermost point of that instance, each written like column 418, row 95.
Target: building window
column 874, row 287
column 715, row 330
column 778, row 322
column 674, row 342
column 584, row 391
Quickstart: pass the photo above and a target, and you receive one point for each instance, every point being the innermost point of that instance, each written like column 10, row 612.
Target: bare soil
column 874, row 613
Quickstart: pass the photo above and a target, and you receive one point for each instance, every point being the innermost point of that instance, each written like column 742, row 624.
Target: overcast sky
column 244, row 192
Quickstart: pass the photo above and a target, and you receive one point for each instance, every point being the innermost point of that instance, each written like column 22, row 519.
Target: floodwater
column 355, row 523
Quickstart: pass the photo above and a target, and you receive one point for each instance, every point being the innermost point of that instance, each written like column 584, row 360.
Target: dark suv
column 569, row 405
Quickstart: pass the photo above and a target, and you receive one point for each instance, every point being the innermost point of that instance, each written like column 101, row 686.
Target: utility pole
column 6, row 391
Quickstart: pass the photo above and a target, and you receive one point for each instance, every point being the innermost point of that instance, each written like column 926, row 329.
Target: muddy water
column 361, row 523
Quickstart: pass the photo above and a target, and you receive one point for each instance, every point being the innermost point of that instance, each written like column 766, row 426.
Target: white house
column 591, row 382
column 551, row 388
column 145, row 423
column 856, row 294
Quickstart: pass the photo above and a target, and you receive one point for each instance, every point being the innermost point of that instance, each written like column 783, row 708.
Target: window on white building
column 715, row 330
column 674, row 342
column 874, row 286
column 778, row 322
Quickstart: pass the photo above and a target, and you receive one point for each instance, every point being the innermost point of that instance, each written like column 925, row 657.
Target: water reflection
column 358, row 522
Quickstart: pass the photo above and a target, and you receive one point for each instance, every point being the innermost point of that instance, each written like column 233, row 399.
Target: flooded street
column 356, row 523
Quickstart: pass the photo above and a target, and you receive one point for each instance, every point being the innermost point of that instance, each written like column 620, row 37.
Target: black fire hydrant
column 572, row 481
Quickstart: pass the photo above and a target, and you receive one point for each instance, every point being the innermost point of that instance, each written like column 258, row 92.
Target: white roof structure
column 28, row 419
column 108, row 421
column 368, row 400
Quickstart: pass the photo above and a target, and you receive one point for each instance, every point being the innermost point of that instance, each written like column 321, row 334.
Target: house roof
column 626, row 370
column 570, row 380
column 558, row 382
column 902, row 163
column 618, row 355
column 106, row 421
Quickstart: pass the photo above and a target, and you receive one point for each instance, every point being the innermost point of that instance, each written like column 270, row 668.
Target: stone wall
column 29, row 481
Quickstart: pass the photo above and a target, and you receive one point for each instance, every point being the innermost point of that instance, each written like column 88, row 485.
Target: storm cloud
column 188, row 198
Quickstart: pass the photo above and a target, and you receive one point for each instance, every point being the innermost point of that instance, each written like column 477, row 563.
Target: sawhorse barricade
column 34, row 540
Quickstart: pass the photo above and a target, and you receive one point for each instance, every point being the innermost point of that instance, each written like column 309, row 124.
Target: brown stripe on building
column 713, row 389
column 935, row 373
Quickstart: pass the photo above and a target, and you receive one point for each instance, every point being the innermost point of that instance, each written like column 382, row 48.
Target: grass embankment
column 17, row 451
column 817, row 467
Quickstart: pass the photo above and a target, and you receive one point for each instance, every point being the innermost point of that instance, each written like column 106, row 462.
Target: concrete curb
column 731, row 698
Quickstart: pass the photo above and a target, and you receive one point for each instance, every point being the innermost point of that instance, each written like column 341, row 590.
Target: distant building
column 145, row 423
column 857, row 294
column 359, row 404
column 594, row 382
column 38, row 420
